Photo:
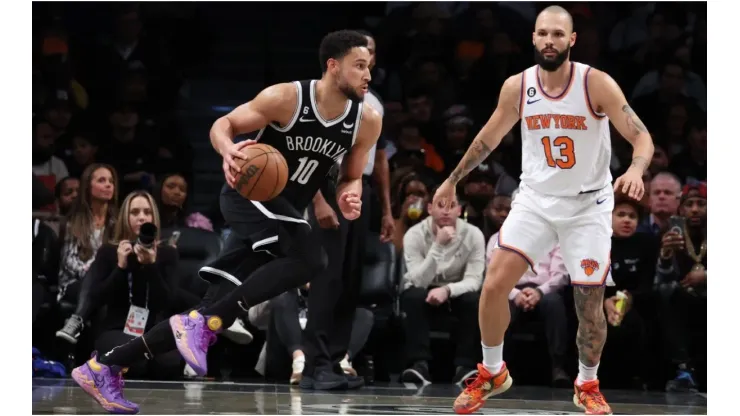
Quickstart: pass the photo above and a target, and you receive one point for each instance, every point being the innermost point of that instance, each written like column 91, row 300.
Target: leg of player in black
column 263, row 274
column 333, row 300
column 323, row 296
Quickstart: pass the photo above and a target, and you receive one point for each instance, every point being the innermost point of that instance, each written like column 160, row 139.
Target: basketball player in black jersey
column 313, row 124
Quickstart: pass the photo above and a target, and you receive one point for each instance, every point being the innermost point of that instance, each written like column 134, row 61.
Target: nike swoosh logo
column 306, row 120
column 533, row 101
column 347, row 126
column 599, row 202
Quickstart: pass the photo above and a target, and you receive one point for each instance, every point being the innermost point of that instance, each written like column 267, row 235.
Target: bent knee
column 504, row 271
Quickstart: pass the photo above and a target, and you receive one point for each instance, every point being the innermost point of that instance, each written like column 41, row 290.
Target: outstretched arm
column 502, row 120
column 609, row 98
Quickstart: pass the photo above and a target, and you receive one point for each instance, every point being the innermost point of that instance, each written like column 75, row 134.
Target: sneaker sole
column 506, row 385
column 238, row 337
column 65, row 336
column 89, row 387
column 582, row 407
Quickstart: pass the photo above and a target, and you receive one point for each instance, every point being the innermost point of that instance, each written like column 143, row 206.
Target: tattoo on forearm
column 591, row 336
column 635, row 124
column 476, row 154
column 639, row 162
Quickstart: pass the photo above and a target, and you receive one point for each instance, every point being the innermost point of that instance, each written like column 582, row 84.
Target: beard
column 551, row 64
column 349, row 92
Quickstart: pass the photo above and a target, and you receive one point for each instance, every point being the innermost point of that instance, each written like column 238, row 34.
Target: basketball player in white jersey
column 565, row 197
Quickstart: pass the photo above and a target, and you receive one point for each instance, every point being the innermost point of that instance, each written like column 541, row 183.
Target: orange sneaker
column 589, row 398
column 480, row 388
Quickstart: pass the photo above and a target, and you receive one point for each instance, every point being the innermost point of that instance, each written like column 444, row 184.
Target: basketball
column 263, row 175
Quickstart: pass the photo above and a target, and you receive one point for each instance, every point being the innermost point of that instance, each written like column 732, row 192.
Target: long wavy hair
column 80, row 220
column 122, row 230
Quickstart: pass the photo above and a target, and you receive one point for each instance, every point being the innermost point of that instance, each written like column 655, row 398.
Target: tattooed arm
column 609, row 99
column 591, row 335
column 503, row 119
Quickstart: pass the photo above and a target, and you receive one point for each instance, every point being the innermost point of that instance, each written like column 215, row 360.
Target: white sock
column 586, row 373
column 493, row 357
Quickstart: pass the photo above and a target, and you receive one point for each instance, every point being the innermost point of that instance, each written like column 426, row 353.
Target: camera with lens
column 147, row 236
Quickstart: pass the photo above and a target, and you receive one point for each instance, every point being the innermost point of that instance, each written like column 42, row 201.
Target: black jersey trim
column 315, row 107
column 358, row 120
column 299, row 104
column 220, row 273
column 278, row 217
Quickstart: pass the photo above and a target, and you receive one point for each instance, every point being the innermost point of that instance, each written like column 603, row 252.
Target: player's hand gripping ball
column 263, row 175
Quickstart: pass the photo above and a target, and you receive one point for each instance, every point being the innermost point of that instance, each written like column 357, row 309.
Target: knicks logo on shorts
column 589, row 266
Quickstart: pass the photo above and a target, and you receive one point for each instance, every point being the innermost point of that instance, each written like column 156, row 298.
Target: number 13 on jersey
column 567, row 157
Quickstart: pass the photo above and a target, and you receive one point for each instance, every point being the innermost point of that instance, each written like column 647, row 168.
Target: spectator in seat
column 665, row 192
column 540, row 291
column 172, row 196
column 478, row 189
column 84, row 152
column 89, row 223
column 681, row 280
column 289, row 314
column 445, row 259
column 410, row 198
column 660, row 161
column 65, row 194
column 633, row 259
column 47, row 167
column 691, row 163
column 415, row 151
column 137, row 284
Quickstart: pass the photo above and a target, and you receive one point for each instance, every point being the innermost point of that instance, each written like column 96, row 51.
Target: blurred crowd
column 107, row 148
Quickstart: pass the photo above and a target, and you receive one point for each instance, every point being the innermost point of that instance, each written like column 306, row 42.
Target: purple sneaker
column 104, row 384
column 193, row 335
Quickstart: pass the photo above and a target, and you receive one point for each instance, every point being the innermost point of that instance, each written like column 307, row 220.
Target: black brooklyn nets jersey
column 310, row 144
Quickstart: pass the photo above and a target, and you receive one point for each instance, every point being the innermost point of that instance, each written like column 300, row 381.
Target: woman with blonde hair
column 137, row 282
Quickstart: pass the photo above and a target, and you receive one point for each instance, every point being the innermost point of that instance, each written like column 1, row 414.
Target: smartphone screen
column 677, row 224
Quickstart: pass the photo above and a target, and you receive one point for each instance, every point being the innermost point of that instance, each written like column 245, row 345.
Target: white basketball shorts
column 581, row 224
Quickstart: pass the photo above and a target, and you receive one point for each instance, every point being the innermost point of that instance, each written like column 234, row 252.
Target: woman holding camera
column 135, row 279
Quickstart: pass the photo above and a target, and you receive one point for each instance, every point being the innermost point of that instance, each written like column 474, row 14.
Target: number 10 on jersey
column 567, row 157
column 305, row 170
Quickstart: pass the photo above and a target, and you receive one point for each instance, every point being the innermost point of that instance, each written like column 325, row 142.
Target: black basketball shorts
column 260, row 232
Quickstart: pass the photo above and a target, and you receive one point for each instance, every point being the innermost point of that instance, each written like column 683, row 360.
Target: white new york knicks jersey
column 566, row 146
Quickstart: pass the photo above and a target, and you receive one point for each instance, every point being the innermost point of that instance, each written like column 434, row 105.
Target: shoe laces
column 474, row 383
column 207, row 339
column 593, row 397
column 115, row 387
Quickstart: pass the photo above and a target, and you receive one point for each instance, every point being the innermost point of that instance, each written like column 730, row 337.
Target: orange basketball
column 263, row 175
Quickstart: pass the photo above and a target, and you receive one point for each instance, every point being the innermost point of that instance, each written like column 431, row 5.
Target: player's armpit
column 354, row 162
column 274, row 103
column 504, row 117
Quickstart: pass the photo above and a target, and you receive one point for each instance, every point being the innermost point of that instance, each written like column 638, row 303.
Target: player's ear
column 332, row 64
column 572, row 39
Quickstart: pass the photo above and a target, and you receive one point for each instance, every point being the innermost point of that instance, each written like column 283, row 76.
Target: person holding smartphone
column 681, row 278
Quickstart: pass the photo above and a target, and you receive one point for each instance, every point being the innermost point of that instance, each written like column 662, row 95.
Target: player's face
column 353, row 73
column 552, row 38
